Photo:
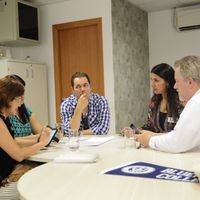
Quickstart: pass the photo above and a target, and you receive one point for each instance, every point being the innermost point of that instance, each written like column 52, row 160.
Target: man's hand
column 144, row 137
column 83, row 102
column 81, row 106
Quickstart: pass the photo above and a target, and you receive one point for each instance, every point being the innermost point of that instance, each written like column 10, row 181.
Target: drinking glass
column 128, row 139
column 73, row 142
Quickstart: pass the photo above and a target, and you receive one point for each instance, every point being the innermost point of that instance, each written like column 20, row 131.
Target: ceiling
column 147, row 5
column 43, row 2
column 158, row 5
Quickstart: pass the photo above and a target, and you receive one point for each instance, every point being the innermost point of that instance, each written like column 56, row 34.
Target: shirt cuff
column 152, row 142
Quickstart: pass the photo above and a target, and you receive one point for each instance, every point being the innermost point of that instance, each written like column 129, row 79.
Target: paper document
column 95, row 141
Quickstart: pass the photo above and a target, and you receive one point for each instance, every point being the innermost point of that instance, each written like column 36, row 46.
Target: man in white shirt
column 186, row 133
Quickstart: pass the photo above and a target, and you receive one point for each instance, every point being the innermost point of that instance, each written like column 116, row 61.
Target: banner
column 148, row 170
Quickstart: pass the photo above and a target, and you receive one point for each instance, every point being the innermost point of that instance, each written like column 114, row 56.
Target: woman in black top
column 10, row 153
column 7, row 163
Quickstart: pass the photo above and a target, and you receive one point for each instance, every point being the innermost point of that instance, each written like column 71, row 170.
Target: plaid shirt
column 98, row 115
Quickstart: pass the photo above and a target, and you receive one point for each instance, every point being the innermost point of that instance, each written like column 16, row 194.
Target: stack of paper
column 95, row 141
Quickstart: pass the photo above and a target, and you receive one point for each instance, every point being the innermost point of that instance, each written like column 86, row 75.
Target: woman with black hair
column 164, row 106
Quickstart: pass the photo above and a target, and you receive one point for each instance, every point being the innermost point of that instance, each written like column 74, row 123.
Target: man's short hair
column 79, row 75
column 189, row 67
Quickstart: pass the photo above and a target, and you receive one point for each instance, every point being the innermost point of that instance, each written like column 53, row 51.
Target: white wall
column 165, row 43
column 68, row 11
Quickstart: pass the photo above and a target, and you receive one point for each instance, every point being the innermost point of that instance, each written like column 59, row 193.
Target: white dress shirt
column 186, row 133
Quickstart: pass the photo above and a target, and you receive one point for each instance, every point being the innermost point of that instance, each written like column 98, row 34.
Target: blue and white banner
column 148, row 170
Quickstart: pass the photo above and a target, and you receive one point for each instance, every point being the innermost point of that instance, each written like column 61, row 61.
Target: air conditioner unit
column 187, row 18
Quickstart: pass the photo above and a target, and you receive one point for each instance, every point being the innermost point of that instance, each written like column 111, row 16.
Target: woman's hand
column 128, row 132
column 45, row 135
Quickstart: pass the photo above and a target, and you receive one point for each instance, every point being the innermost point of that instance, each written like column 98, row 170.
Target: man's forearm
column 75, row 121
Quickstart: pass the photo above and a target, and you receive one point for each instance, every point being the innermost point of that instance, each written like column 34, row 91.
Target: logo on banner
column 138, row 169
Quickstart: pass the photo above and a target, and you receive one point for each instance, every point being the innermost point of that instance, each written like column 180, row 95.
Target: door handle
column 27, row 73
column 32, row 73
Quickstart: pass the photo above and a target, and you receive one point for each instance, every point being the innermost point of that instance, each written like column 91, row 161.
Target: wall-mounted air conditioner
column 187, row 18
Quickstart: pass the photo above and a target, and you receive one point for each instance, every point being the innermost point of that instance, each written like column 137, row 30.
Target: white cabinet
column 35, row 76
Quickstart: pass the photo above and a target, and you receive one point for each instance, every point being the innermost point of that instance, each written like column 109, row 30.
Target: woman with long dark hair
column 164, row 106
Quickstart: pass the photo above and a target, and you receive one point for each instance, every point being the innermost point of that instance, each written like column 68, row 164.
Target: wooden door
column 77, row 47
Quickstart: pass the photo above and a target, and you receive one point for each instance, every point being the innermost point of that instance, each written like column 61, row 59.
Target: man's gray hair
column 189, row 67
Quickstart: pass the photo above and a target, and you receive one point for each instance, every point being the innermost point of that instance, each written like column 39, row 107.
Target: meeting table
column 87, row 181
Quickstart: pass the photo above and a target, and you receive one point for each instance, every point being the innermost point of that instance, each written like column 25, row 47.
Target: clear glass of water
column 128, row 139
column 73, row 142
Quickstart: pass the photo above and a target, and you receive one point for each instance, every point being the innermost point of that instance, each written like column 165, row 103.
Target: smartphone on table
column 135, row 129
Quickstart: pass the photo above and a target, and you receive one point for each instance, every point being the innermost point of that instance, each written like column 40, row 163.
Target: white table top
column 84, row 181
column 87, row 143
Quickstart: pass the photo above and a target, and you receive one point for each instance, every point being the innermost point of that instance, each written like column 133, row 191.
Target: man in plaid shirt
column 85, row 110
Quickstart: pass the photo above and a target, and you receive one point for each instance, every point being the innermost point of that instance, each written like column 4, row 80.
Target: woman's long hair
column 23, row 113
column 9, row 90
column 166, row 72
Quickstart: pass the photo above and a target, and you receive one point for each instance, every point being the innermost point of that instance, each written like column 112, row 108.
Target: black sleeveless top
column 6, row 162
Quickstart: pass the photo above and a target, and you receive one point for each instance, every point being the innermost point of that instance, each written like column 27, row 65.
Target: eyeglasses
column 18, row 99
